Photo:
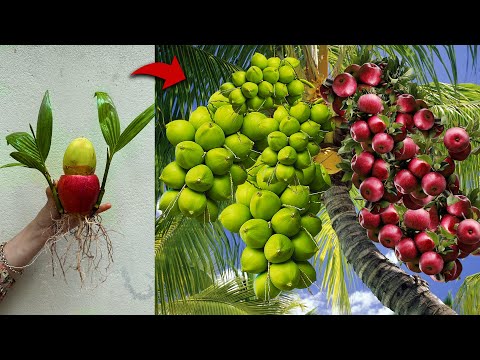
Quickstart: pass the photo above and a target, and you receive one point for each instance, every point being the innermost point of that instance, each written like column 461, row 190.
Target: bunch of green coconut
column 253, row 144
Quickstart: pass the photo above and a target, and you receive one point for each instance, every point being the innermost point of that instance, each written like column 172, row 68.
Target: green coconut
column 168, row 203
column 304, row 160
column 311, row 128
column 179, row 130
column 219, row 160
column 210, row 136
column 308, row 174
column 287, row 155
column 277, row 140
column 286, row 221
column 239, row 78
column 278, row 249
column 271, row 75
column 285, row 276
column 249, row 90
column 259, row 60
column 308, row 274
column 267, row 126
column 311, row 223
column 300, row 111
column 268, row 103
column 280, row 91
column 313, row 148
column 265, row 89
column 238, row 174
column 191, row 203
column 285, row 173
column 322, row 180
column 298, row 141
column 296, row 195
column 255, row 233
column 221, row 189
column 266, row 180
column 251, row 125
column 299, row 176
column 320, row 113
column 269, row 156
column 280, row 113
column 296, row 88
column 253, row 261
column 229, row 120
column 274, row 62
column 254, row 74
column 199, row 178
column 234, row 216
column 256, row 103
column 188, row 154
column 289, row 125
column 264, row 288
column 240, row 145
column 244, row 193
column 260, row 145
column 173, row 175
column 293, row 100
column 291, row 61
column 286, row 74
column 216, row 101
column 315, row 203
column 227, row 88
column 210, row 214
column 236, row 98
column 304, row 246
column 199, row 116
column 253, row 171
column 264, row 204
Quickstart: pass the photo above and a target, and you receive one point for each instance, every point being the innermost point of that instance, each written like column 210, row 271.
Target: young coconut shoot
column 78, row 193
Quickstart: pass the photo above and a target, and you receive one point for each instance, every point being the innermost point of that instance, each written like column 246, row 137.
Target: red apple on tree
column 424, row 242
column 456, row 140
column 409, row 203
column 448, row 222
column 337, row 106
column 360, row 131
column 368, row 220
column 405, row 119
column 418, row 167
column 391, row 197
column 460, row 207
column 390, row 215
column 344, row 85
column 382, row 143
column 362, row 163
column 407, row 151
column 390, row 235
column 449, row 168
column 405, row 182
column 424, row 119
column 380, row 169
column 371, row 189
column 416, row 219
column 462, row 155
column 451, row 253
column 406, row 103
column 370, row 74
column 352, row 69
column 406, row 250
column 372, row 234
column 370, row 104
column 434, row 183
column 468, row 232
column 414, row 266
column 431, row 263
column 376, row 124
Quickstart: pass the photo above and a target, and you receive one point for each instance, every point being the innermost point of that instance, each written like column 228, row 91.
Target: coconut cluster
column 253, row 143
column 399, row 164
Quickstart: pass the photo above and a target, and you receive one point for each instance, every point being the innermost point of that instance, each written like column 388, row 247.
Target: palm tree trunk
column 402, row 293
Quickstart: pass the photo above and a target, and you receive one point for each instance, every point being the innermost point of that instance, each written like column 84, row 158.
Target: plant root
column 88, row 248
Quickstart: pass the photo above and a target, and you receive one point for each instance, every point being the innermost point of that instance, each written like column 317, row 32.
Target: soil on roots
column 87, row 248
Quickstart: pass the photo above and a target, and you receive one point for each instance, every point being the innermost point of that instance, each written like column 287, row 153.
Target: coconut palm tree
column 189, row 255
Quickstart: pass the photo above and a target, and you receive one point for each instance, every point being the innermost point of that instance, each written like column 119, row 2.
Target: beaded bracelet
column 6, row 281
column 13, row 269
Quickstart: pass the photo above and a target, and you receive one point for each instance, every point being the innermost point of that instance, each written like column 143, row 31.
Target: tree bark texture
column 402, row 293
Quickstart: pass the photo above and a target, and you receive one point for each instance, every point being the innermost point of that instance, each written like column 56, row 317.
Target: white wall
column 73, row 74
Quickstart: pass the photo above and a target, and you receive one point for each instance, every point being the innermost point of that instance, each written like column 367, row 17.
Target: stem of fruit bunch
column 54, row 192
column 104, row 181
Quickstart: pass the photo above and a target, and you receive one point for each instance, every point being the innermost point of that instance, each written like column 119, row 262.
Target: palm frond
column 467, row 299
column 233, row 297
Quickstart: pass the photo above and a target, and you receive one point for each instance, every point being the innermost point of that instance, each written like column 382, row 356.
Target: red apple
column 452, row 254
column 376, row 124
column 380, row 169
column 78, row 193
column 458, row 270
column 409, row 203
column 405, row 250
column 419, row 194
column 352, row 69
column 418, row 167
column 424, row 242
column 368, row 220
column 462, row 155
column 360, row 131
column 421, row 104
column 431, row 263
column 406, row 103
column 434, row 183
column 424, row 119
column 357, row 180
column 382, row 143
column 325, row 91
column 390, row 215
column 344, row 85
column 462, row 255
column 370, row 104
column 390, row 235
column 414, row 266
column 372, row 234
column 467, row 248
column 391, row 197
column 461, row 207
column 448, row 222
column 453, row 184
column 456, row 140
column 337, row 106
column 449, row 169
column 468, row 232
column 405, row 182
column 405, row 119
column 434, row 218
column 416, row 219
column 400, row 136
column 449, row 270
column 371, row 189
column 422, row 202
column 362, row 163
column 407, row 151
column 370, row 74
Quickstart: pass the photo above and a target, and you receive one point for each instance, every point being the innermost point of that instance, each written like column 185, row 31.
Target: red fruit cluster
column 414, row 205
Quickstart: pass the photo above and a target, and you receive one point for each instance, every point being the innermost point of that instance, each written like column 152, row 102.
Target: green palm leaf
column 467, row 300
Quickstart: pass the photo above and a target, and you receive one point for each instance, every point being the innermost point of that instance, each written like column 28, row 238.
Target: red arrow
column 171, row 73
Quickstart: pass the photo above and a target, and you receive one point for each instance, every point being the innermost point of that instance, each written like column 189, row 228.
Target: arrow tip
column 175, row 75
